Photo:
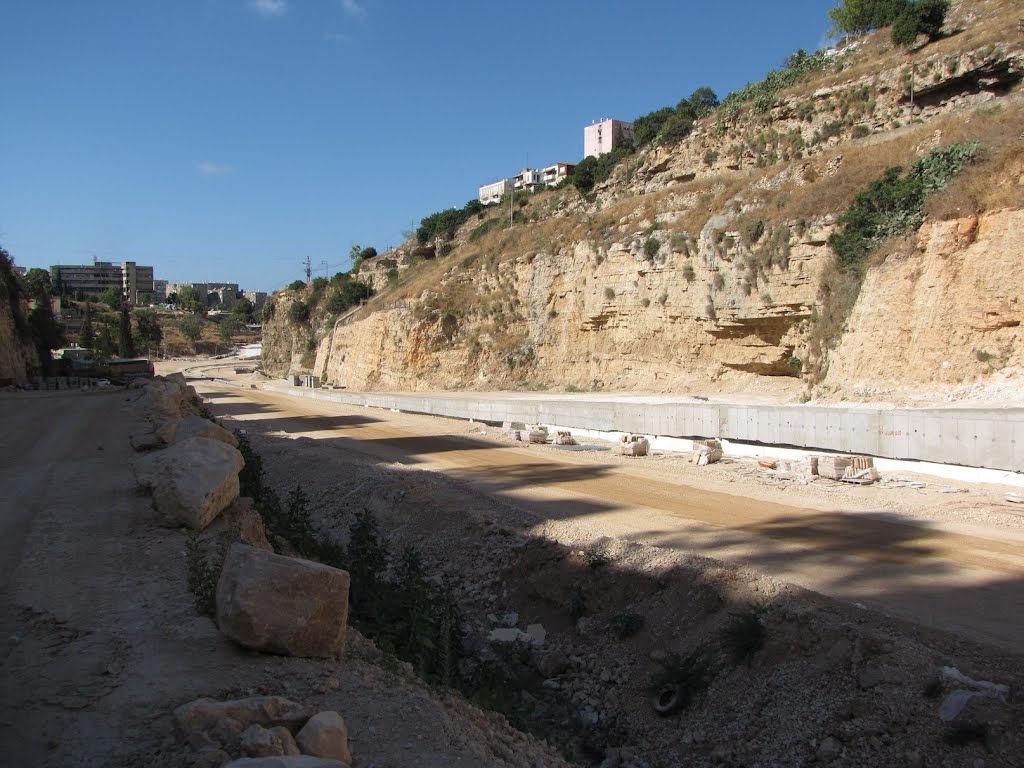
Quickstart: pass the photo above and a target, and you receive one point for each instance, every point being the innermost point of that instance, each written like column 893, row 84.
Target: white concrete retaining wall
column 991, row 438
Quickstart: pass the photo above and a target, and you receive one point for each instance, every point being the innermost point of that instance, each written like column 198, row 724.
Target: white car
column 102, row 382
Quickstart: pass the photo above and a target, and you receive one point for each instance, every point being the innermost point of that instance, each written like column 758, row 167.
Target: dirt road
column 965, row 579
column 100, row 637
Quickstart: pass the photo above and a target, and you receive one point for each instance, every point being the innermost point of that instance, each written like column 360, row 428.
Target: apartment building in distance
column 492, row 193
column 210, row 295
column 528, row 178
column 134, row 282
column 604, row 135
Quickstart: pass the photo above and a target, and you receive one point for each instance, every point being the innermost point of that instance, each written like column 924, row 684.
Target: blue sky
column 227, row 140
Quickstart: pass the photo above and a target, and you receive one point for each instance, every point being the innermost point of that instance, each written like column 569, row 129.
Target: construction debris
column 805, row 467
column 706, row 452
column 861, row 471
column 834, row 466
column 537, row 434
column 514, row 429
column 564, row 437
column 634, row 445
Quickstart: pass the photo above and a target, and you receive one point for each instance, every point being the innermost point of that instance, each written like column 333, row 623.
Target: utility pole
column 309, row 269
column 326, row 267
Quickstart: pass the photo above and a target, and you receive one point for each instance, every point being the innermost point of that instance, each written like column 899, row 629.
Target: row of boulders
column 191, row 463
column 265, row 732
column 266, row 602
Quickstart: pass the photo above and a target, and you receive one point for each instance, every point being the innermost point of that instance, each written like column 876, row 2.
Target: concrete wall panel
column 991, row 438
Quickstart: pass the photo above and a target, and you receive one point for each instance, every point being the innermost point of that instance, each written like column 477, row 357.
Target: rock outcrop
column 282, row 605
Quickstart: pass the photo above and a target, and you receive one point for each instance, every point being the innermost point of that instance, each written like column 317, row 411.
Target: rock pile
column 264, row 732
column 634, row 445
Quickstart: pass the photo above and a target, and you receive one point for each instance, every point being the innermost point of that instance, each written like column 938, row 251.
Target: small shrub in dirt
column 626, row 624
column 651, row 247
column 596, row 555
column 682, row 680
column 743, row 636
column 203, row 572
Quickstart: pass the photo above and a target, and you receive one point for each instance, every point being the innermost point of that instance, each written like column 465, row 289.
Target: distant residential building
column 492, row 193
column 128, row 278
column 159, row 291
column 528, row 178
column 210, row 295
column 554, row 174
column 222, row 295
column 136, row 283
column 604, row 135
column 256, row 298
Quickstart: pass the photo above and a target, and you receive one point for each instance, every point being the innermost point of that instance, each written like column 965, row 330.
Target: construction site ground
column 102, row 640
column 943, row 554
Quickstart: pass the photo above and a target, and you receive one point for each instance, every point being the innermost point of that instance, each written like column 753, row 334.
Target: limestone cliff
column 705, row 265
column 950, row 312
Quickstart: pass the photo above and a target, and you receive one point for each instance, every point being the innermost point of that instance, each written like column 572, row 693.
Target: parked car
column 102, row 382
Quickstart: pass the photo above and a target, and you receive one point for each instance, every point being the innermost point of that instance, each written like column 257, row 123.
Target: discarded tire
column 667, row 699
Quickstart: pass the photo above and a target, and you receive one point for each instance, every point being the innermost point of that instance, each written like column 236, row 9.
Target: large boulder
column 169, row 399
column 325, row 735
column 268, row 711
column 174, row 431
column 192, row 481
column 282, row 604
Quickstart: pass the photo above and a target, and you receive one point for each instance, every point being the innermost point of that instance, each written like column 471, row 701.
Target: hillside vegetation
column 736, row 249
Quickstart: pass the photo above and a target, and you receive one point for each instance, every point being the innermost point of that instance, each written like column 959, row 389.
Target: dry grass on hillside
column 973, row 24
column 863, row 161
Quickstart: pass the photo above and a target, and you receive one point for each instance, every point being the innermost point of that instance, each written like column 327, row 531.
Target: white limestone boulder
column 325, row 735
column 192, row 481
column 282, row 605
column 176, row 430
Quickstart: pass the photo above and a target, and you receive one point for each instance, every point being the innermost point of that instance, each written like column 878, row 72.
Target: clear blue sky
column 229, row 139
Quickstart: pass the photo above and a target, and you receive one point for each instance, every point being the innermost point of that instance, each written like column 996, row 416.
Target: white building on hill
column 492, row 193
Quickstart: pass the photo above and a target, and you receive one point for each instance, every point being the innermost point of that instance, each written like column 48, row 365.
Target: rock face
column 325, row 735
column 16, row 357
column 679, row 274
column 961, row 309
column 192, row 481
column 282, row 604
